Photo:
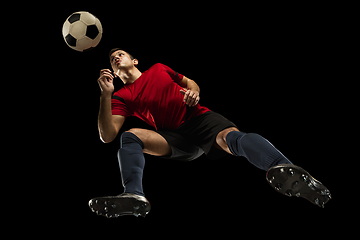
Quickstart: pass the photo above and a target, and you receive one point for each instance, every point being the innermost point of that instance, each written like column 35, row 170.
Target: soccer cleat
column 292, row 180
column 123, row 204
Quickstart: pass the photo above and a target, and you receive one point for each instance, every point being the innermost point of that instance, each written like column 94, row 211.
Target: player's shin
column 259, row 151
column 132, row 163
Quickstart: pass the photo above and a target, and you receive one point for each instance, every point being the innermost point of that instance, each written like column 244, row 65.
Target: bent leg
column 132, row 163
column 134, row 143
column 154, row 143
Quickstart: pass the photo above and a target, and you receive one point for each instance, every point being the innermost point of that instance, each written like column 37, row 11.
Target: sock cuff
column 128, row 137
column 233, row 141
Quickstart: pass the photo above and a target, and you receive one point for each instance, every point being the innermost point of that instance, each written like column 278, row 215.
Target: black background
column 266, row 68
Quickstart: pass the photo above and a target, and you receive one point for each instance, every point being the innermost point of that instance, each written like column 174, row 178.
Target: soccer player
column 184, row 130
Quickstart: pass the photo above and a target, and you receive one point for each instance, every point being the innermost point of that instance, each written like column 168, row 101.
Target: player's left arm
column 192, row 95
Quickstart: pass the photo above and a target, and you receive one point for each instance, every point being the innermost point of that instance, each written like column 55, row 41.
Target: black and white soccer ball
column 82, row 31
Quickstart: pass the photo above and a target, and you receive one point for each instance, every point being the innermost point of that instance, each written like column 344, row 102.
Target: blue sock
column 132, row 163
column 259, row 151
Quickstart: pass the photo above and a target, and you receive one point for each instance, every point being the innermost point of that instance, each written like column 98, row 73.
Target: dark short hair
column 117, row 49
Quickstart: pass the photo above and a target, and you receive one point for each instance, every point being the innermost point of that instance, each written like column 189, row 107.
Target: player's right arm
column 109, row 125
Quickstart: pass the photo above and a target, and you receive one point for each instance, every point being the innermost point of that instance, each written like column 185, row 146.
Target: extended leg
column 282, row 175
column 259, row 151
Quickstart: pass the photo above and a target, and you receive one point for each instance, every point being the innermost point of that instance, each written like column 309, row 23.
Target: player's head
column 121, row 59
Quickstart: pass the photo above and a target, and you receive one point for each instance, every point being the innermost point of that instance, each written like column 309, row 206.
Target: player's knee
column 129, row 137
column 221, row 137
column 140, row 133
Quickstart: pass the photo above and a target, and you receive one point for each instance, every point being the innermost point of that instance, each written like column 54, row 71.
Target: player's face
column 120, row 59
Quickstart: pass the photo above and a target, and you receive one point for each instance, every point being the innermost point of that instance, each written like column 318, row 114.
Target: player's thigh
column 154, row 143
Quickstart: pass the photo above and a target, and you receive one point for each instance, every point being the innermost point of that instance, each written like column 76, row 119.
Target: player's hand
column 106, row 82
column 191, row 98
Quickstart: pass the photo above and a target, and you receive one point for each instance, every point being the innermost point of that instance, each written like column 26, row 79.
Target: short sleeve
column 118, row 106
column 175, row 76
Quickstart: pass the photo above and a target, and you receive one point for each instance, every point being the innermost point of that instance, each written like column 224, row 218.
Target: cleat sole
column 295, row 181
column 115, row 206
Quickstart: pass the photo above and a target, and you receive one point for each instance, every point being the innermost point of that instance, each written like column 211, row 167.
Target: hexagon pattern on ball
column 82, row 31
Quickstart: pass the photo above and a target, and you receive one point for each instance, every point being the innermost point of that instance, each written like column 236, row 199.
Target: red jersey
column 156, row 99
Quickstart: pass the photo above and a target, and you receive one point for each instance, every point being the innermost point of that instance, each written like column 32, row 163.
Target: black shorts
column 196, row 136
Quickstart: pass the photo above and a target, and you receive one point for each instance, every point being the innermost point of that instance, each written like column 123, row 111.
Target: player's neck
column 130, row 76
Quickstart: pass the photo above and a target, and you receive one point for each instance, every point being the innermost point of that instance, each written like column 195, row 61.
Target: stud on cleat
column 271, row 179
column 320, row 204
column 289, row 193
column 311, row 185
column 325, row 192
column 291, row 172
column 278, row 187
column 305, row 178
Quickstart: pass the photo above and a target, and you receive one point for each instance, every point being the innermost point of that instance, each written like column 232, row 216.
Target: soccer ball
column 82, row 31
